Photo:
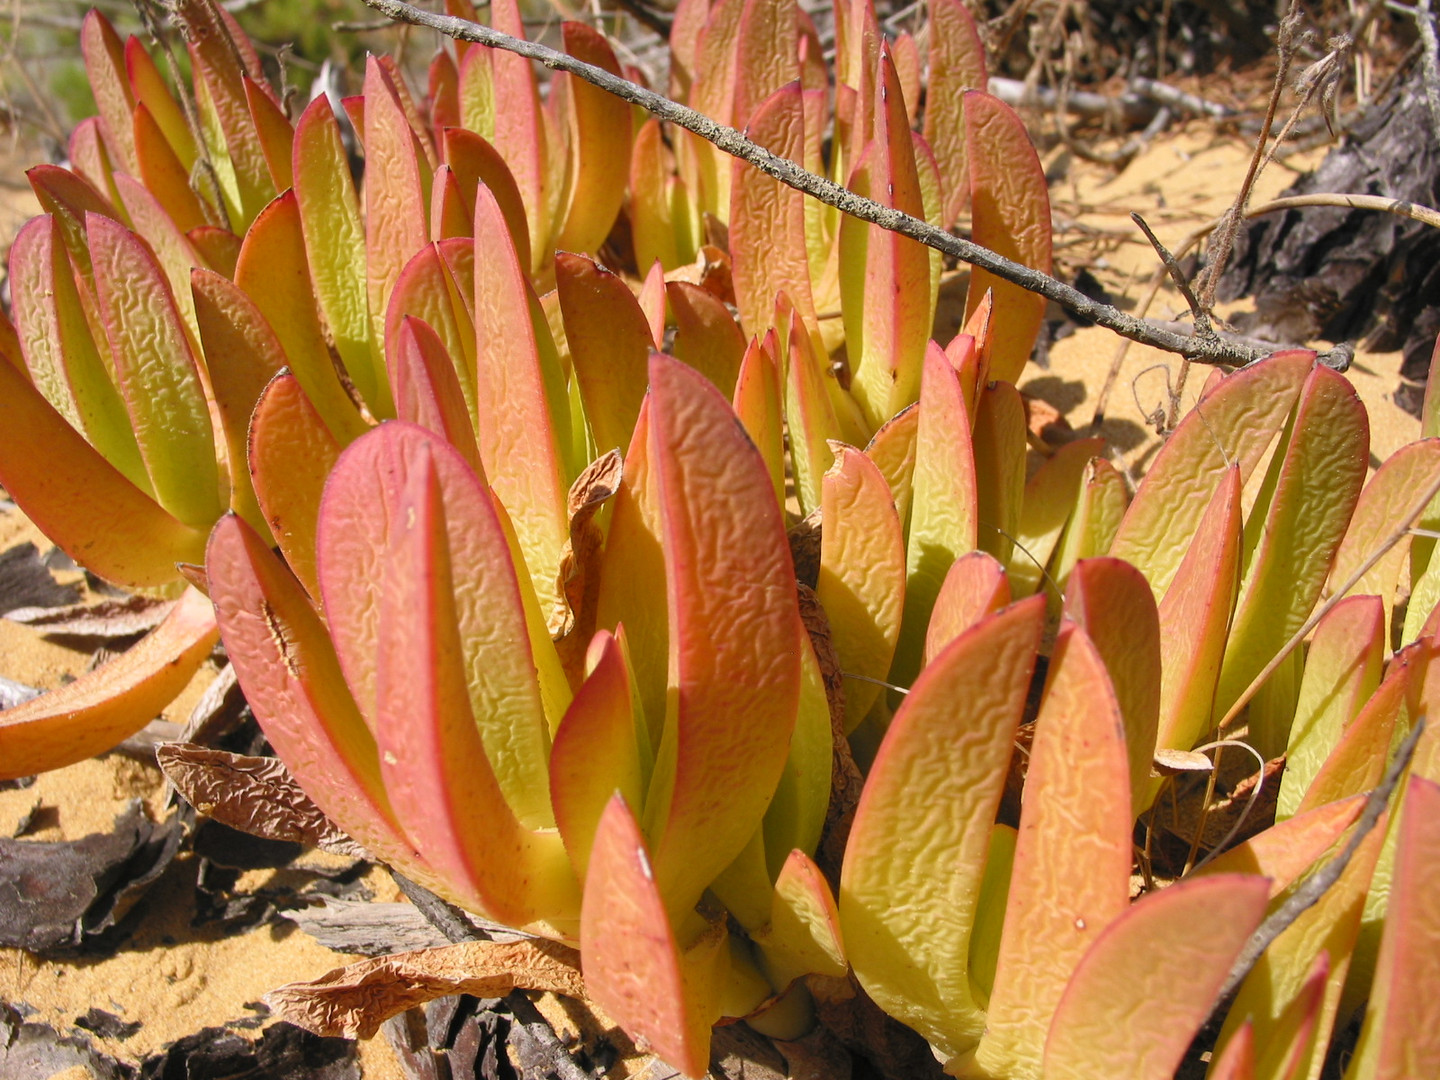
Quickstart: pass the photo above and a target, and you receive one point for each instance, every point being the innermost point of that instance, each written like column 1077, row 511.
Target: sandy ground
column 177, row 980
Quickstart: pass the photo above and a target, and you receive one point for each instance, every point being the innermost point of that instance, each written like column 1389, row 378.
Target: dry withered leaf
column 26, row 582
column 114, row 618
column 55, row 895
column 579, row 582
column 1179, row 808
column 369, row 928
column 255, row 795
column 354, row 1001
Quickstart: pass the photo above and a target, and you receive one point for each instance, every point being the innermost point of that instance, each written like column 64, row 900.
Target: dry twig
column 1217, row 351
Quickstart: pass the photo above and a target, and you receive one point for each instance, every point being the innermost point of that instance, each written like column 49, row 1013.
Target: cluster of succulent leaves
column 511, row 592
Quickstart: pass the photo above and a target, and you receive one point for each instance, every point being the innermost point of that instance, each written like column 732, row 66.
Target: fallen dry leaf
column 256, row 795
column 114, row 618
column 353, row 1001
column 579, row 582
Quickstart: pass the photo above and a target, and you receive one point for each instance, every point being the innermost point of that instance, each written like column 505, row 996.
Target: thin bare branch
column 1197, row 348
column 1315, row 886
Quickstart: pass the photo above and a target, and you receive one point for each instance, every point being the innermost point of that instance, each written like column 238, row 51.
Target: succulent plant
column 496, row 540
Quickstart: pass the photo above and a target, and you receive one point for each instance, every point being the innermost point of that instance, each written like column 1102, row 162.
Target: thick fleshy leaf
column 1236, row 1061
column 437, row 286
column 957, row 64
column 426, row 389
column 1387, row 499
column 893, row 450
column 520, row 129
column 809, row 413
column 804, row 931
column 1290, row 848
column 734, row 628
column 438, row 758
column 156, row 372
column 1292, row 535
column 171, row 247
column 610, row 343
column 1401, row 1036
column 599, row 158
column 110, row 702
column 90, row 160
column 449, row 211
column 82, row 502
column 357, row 524
column 274, row 273
column 1092, row 527
column 1148, row 983
column 396, row 192
column 151, row 90
column 221, row 57
column 917, row 849
column 632, row 963
column 290, row 453
column 943, row 520
column 164, row 174
column 287, row 668
column 105, row 71
column 1233, row 423
column 974, row 587
column 651, row 208
column 477, row 162
column 1113, row 603
column 1292, row 1011
column 59, row 352
column 1071, row 876
column 885, row 277
column 598, row 750
column 862, row 574
column 242, row 355
column 335, row 248
column 796, row 815
column 274, row 131
column 1050, row 498
column 767, row 219
column 757, row 405
column 1357, row 761
column 706, row 336
column 522, row 421
column 632, row 577
column 999, row 441
column 1195, row 617
column 1010, row 215
column 1342, row 670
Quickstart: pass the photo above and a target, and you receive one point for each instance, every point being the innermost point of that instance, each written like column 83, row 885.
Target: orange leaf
column 110, row 702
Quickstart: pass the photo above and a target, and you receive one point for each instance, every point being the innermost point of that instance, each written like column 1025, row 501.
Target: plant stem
column 1195, row 347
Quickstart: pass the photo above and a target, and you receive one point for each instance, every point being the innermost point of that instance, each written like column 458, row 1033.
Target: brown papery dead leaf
column 1175, row 762
column 579, row 581
column 352, row 1002
column 256, row 795
column 108, row 619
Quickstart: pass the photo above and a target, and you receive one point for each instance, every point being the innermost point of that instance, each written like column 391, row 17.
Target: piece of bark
column 368, row 928
column 38, row 1052
column 55, row 896
column 1340, row 274
column 354, row 1001
column 26, row 582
